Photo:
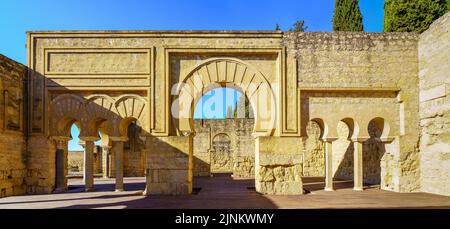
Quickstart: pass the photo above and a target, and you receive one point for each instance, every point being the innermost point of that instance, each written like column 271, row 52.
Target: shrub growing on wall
column 412, row 15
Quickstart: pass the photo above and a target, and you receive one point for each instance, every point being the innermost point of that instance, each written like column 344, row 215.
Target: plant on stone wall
column 299, row 26
column 412, row 15
column 347, row 16
column 277, row 27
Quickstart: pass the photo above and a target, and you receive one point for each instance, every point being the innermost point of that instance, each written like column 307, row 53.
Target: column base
column 358, row 189
column 89, row 189
column 60, row 190
column 118, row 190
column 327, row 189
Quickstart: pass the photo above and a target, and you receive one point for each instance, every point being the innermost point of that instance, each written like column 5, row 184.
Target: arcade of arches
column 338, row 105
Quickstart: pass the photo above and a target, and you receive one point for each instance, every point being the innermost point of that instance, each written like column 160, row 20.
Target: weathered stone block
column 279, row 163
column 168, row 166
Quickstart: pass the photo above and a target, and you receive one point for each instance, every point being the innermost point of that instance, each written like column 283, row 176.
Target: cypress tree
column 347, row 16
column 412, row 15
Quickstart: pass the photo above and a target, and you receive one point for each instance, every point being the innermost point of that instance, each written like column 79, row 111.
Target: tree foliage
column 299, row 26
column 347, row 16
column 412, row 15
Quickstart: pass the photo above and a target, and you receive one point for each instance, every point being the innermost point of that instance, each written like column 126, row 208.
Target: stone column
column 112, row 164
column 358, row 165
column 328, row 165
column 105, row 161
column 98, row 157
column 88, row 172
column 61, row 164
column 117, row 147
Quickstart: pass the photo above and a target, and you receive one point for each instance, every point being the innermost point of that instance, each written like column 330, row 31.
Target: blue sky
column 214, row 103
column 19, row 16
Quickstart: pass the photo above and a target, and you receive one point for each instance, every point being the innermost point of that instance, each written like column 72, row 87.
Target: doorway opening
column 223, row 146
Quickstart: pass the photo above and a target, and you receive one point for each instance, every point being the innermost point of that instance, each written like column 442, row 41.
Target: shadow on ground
column 223, row 192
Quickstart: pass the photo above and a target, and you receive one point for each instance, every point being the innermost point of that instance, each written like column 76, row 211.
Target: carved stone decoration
column 221, row 154
column 65, row 110
column 230, row 72
column 93, row 110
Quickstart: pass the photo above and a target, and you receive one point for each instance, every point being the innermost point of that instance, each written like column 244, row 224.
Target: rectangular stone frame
column 287, row 102
column 31, row 39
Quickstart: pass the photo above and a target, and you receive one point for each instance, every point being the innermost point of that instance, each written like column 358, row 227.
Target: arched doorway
column 230, row 73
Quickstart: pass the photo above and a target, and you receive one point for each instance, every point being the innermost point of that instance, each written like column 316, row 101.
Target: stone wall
column 41, row 165
column 328, row 76
column 13, row 157
column 313, row 152
column 224, row 145
column 134, row 157
column 76, row 161
column 343, row 75
column 434, row 75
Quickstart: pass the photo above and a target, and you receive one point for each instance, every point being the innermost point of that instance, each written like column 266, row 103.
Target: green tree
column 347, row 16
column 277, row 27
column 299, row 26
column 412, row 15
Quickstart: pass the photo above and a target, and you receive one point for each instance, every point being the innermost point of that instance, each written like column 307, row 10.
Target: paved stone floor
column 223, row 192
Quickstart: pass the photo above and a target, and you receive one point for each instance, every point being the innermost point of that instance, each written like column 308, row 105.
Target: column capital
column 188, row 133
column 258, row 134
column 118, row 138
column 329, row 139
column 61, row 141
column 387, row 139
column 359, row 139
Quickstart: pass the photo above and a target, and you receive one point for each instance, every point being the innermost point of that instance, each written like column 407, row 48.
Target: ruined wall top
column 356, row 41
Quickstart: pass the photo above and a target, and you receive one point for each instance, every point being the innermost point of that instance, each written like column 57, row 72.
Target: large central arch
column 225, row 72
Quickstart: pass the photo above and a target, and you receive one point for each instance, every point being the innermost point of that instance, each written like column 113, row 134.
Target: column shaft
column 328, row 166
column 105, row 161
column 112, row 163
column 61, row 166
column 358, row 166
column 89, row 166
column 118, row 150
column 66, row 164
column 59, row 186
